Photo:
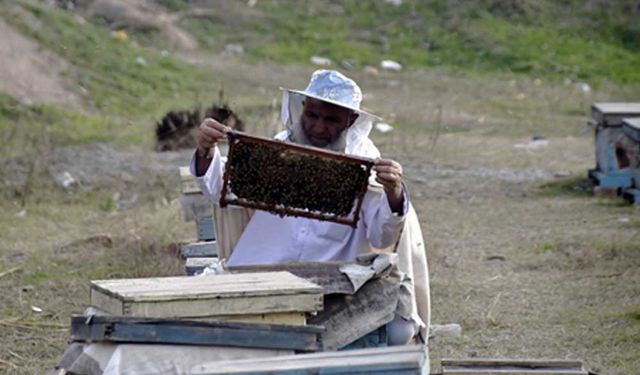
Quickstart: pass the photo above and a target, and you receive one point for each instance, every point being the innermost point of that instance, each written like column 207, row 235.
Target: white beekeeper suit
column 270, row 239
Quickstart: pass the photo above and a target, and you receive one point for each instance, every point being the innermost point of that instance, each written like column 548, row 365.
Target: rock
column 141, row 61
column 370, row 70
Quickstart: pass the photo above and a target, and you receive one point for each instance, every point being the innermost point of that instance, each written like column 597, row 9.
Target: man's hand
column 389, row 174
column 211, row 131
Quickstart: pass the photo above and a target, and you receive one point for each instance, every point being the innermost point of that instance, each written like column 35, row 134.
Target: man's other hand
column 211, row 131
column 389, row 174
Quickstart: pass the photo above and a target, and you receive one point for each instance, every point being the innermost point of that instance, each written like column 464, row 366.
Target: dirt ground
column 528, row 265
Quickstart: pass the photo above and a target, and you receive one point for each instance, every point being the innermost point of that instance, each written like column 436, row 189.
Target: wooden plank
column 512, row 367
column 392, row 360
column 165, row 331
column 227, row 294
column 325, row 274
column 106, row 302
column 288, row 318
column 347, row 318
column 227, row 306
column 611, row 114
column 199, row 249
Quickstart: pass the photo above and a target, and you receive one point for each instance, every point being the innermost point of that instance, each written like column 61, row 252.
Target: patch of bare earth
column 32, row 74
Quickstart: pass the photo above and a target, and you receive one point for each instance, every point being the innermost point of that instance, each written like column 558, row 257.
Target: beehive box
column 608, row 119
column 396, row 360
column 207, row 296
column 295, row 180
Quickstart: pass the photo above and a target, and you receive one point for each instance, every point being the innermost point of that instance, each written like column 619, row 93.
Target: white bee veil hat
column 334, row 87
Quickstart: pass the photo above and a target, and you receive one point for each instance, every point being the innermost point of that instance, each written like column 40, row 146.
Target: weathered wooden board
column 120, row 329
column 611, row 114
column 478, row 366
column 399, row 360
column 226, row 294
column 349, row 317
column 289, row 318
column 188, row 184
column 202, row 249
column 325, row 274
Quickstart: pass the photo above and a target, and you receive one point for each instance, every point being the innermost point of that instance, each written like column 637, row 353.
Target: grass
column 544, row 39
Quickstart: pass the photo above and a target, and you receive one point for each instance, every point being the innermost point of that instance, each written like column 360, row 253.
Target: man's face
column 323, row 122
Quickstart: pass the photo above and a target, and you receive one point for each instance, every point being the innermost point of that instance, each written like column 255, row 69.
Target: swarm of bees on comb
column 294, row 180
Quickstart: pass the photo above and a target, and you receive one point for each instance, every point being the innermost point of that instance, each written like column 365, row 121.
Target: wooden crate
column 397, row 360
column 512, row 367
column 612, row 114
column 122, row 329
column 207, row 296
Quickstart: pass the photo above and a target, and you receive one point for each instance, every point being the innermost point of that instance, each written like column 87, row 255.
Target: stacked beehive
column 196, row 207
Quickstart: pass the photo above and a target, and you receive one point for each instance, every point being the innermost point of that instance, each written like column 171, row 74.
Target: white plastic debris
column 383, row 127
column 141, row 61
column 22, row 213
column 391, row 65
column 394, row 2
column 65, row 179
column 535, row 144
column 36, row 309
column 319, row 60
column 217, row 267
column 624, row 220
column 164, row 53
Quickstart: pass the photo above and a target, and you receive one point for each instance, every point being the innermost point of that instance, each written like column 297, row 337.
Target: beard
column 297, row 135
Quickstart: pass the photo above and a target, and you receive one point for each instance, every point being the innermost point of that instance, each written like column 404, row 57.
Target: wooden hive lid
column 206, row 287
column 612, row 113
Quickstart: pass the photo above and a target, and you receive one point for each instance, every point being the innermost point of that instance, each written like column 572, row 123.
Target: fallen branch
column 10, row 271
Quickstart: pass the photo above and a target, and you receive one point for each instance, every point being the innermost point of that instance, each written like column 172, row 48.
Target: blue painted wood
column 205, row 228
column 613, row 180
column 170, row 331
column 199, row 249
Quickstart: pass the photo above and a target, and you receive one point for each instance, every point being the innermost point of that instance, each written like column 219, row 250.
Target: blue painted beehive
column 612, row 170
column 631, row 145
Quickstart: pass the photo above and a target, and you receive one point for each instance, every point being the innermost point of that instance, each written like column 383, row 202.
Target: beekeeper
column 326, row 114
